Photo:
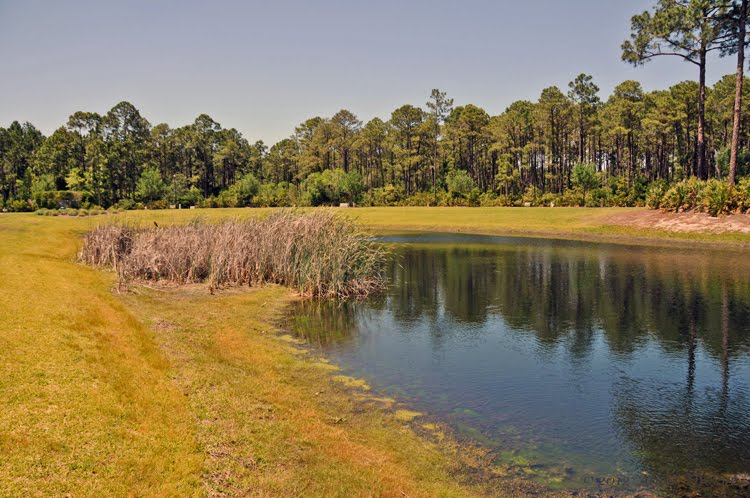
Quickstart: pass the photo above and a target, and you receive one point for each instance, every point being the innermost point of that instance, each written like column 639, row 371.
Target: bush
column 388, row 195
column 533, row 196
column 572, row 197
column 674, row 198
column 459, row 183
column 150, row 186
column 55, row 199
column 716, row 198
column 599, row 197
column 21, row 206
column 488, row 199
column 243, row 190
column 741, row 199
column 547, row 199
column 683, row 196
column 420, row 199
column 656, row 193
column 158, row 204
column 126, row 204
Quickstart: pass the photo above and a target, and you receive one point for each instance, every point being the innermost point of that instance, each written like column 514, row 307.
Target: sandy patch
column 682, row 222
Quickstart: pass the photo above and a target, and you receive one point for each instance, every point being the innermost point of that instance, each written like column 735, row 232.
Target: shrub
column 548, row 199
column 585, row 178
column 716, row 198
column 572, row 197
column 158, row 204
column 694, row 188
column 741, row 199
column 459, row 183
column 388, row 195
column 488, row 199
column 54, row 199
column 319, row 254
column 683, row 196
column 674, row 198
column 125, row 205
column 655, row 194
column 532, row 195
column 20, row 205
column 420, row 199
column 244, row 190
column 599, row 197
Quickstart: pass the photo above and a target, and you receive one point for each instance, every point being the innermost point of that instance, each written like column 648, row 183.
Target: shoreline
column 182, row 392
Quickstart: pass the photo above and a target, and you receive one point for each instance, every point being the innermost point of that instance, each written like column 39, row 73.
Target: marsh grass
column 320, row 254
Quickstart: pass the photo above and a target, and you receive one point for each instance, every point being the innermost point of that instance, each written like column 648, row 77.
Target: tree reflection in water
column 664, row 330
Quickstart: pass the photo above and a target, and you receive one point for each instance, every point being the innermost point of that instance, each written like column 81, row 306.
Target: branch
column 651, row 55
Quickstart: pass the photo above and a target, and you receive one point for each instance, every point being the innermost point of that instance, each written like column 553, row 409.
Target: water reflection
column 617, row 360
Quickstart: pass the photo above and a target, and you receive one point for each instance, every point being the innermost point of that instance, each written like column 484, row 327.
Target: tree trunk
column 702, row 170
column 741, row 35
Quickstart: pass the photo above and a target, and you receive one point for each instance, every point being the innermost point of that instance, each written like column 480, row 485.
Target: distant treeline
column 568, row 147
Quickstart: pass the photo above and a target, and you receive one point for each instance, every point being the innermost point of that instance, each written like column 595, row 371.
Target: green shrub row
column 75, row 212
column 714, row 197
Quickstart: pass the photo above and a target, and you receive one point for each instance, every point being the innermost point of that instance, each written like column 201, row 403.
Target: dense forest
column 572, row 146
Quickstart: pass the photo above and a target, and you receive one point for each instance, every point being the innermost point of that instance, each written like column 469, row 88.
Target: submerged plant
column 319, row 254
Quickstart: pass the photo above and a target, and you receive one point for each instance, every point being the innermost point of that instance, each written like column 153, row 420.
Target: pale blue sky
column 264, row 67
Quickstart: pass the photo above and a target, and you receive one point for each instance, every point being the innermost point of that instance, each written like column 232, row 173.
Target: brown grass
column 319, row 254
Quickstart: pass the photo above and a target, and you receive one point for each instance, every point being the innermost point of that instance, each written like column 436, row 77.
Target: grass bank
column 626, row 225
column 173, row 391
column 606, row 224
column 177, row 392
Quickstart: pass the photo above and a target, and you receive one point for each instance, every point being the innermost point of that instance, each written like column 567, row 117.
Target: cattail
column 319, row 254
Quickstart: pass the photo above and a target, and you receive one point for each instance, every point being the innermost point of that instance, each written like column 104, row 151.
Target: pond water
column 581, row 365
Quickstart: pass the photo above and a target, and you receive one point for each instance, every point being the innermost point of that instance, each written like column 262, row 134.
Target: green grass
column 87, row 406
column 568, row 223
column 175, row 392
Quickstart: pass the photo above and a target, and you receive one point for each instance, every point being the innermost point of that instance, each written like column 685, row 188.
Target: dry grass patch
column 319, row 254
column 274, row 422
column 86, row 404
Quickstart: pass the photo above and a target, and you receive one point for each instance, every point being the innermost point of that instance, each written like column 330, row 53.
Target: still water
column 581, row 365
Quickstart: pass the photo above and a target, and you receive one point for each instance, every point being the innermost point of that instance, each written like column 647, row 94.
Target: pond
column 581, row 365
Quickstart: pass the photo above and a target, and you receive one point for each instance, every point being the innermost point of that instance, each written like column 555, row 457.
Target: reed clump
column 319, row 254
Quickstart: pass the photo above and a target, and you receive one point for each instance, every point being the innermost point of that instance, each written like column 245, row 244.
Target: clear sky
column 264, row 67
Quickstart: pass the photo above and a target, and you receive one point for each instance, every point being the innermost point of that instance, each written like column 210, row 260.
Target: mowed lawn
column 602, row 224
column 175, row 392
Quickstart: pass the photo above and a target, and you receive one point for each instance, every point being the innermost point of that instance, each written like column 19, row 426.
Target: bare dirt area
column 689, row 222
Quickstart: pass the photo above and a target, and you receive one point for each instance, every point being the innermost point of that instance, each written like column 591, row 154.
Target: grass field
column 177, row 392
column 571, row 223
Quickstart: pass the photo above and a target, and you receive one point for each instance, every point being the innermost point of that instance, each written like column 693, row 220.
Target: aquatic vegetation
column 319, row 254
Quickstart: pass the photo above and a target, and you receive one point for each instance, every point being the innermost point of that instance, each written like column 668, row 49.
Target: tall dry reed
column 320, row 254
